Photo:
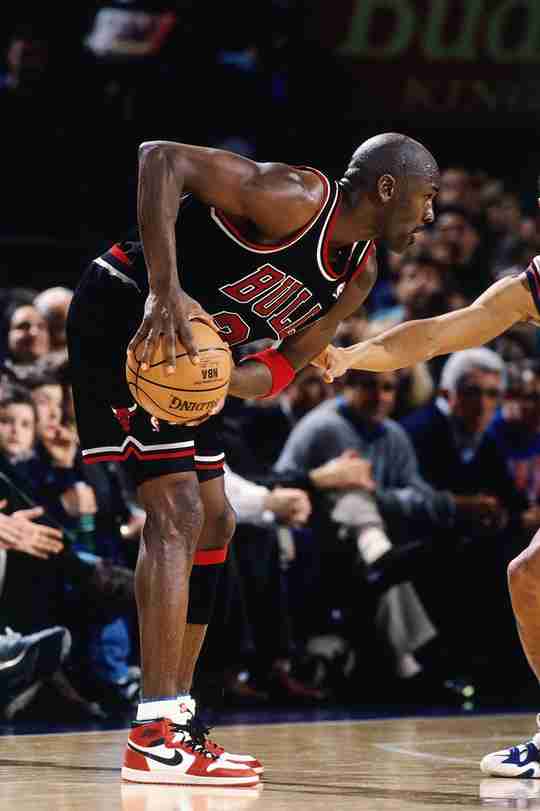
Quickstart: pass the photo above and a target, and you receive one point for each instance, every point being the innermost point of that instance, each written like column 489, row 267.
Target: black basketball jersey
column 253, row 291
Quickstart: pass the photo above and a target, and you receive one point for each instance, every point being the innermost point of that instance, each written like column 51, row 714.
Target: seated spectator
column 27, row 337
column 516, row 429
column 462, row 234
column 423, row 288
column 45, row 471
column 464, row 460
column 266, row 424
column 358, row 422
column 53, row 304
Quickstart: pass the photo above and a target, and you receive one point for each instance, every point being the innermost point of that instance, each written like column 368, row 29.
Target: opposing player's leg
column 523, row 759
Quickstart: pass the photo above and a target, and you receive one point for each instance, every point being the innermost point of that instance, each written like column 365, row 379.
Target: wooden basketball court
column 408, row 763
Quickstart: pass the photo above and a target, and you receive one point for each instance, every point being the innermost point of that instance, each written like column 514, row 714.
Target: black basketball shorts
column 105, row 313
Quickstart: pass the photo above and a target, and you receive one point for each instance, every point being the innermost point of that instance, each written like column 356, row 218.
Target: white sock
column 158, row 708
column 372, row 543
column 178, row 709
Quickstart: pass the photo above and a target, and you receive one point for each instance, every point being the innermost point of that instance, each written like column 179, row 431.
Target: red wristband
column 281, row 370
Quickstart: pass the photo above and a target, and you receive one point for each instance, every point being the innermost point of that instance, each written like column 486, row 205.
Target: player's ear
column 386, row 188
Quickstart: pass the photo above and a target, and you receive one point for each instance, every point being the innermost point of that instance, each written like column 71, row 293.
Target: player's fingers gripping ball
column 191, row 392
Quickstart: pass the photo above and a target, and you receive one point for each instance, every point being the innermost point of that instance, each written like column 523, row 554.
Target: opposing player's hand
column 166, row 317
column 333, row 362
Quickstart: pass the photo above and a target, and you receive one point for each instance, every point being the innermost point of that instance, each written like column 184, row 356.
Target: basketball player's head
column 399, row 178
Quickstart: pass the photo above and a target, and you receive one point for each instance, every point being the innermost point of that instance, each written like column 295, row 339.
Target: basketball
column 191, row 391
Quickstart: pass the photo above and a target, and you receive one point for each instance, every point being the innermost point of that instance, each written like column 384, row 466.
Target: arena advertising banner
column 442, row 56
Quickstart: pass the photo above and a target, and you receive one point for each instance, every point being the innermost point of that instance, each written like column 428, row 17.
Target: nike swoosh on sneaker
column 175, row 760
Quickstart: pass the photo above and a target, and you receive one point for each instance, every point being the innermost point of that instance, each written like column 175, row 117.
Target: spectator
column 27, row 337
column 358, row 421
column 465, row 461
column 266, row 424
column 516, row 429
column 53, row 304
column 462, row 234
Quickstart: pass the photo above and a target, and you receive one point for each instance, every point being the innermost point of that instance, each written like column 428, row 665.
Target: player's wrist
column 282, row 372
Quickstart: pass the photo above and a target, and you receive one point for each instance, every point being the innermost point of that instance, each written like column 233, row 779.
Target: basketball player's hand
column 333, row 362
column 166, row 318
column 217, row 408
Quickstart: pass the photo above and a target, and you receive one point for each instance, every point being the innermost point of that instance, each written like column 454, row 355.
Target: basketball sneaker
column 200, row 730
column 522, row 760
column 162, row 751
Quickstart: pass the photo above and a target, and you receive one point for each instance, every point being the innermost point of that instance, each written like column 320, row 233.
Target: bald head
column 53, row 304
column 391, row 182
column 389, row 153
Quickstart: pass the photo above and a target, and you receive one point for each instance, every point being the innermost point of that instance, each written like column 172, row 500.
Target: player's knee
column 222, row 529
column 174, row 513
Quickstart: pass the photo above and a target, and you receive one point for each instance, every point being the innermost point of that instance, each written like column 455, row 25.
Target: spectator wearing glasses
column 457, row 453
column 371, row 518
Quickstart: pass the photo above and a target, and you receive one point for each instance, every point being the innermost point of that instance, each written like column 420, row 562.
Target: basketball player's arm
column 503, row 304
column 274, row 197
column 254, row 379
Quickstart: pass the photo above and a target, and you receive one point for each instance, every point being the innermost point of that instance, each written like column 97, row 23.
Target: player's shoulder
column 302, row 184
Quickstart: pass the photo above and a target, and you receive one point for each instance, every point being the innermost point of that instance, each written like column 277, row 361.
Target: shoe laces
column 203, row 731
column 194, row 733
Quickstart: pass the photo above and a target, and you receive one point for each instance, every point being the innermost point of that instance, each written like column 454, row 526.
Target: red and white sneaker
column 199, row 730
column 164, row 752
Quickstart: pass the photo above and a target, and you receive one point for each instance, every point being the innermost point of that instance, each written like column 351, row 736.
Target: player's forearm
column 400, row 346
column 158, row 200
column 250, row 380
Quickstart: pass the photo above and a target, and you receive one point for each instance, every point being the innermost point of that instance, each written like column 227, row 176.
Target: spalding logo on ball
column 192, row 390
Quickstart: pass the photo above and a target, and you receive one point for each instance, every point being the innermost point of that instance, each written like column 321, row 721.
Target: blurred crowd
column 376, row 516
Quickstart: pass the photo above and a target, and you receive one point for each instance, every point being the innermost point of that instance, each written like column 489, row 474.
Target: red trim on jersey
column 326, row 245
column 289, row 240
column 132, row 451
column 119, row 254
column 210, row 557
column 362, row 264
column 209, row 465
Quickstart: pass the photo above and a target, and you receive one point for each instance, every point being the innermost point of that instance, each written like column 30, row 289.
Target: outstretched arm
column 498, row 308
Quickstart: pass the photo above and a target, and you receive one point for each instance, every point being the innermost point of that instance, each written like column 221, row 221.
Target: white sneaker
column 522, row 760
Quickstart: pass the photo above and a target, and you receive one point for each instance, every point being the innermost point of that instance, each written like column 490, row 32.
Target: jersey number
column 234, row 329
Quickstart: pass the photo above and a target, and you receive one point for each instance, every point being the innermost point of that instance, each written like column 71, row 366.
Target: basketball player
column 512, row 299
column 263, row 250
